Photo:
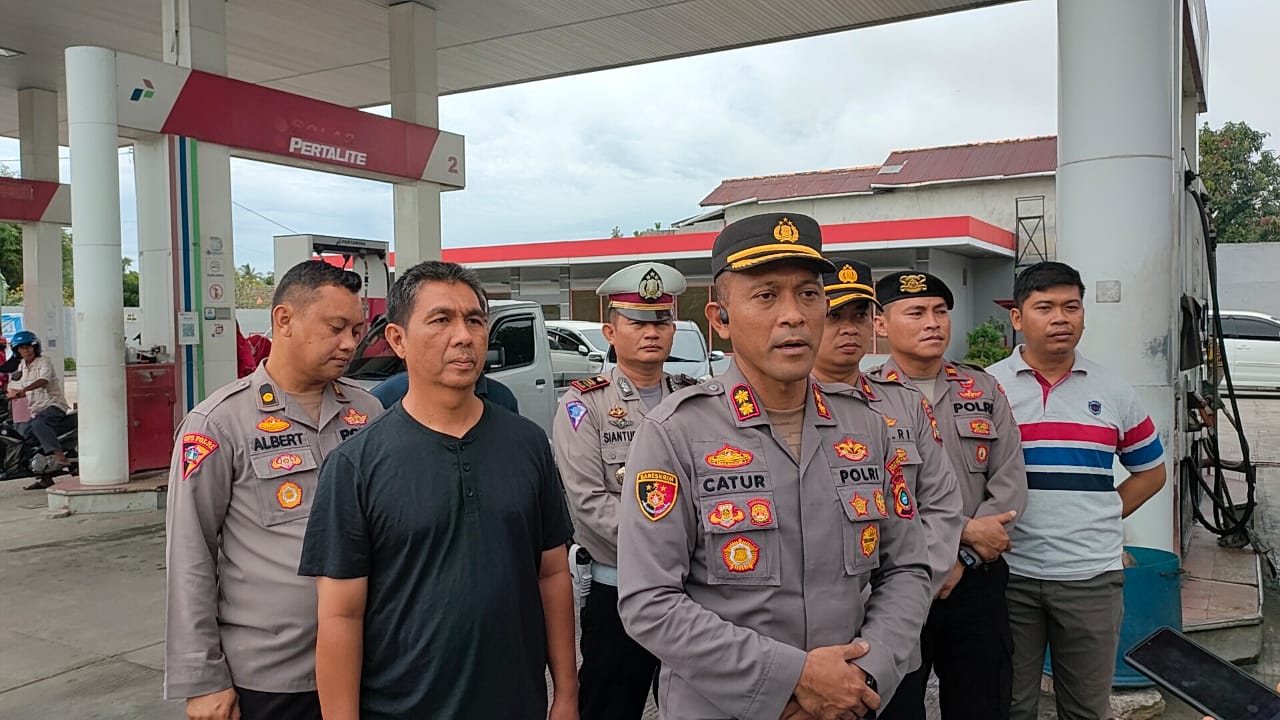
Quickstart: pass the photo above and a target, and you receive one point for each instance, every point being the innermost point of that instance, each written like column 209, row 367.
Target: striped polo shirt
column 1072, row 433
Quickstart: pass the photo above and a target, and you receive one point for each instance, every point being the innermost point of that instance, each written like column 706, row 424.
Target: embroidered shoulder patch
column 354, row 418
column 656, row 491
column 576, row 410
column 903, row 505
column 195, row 448
column 589, row 384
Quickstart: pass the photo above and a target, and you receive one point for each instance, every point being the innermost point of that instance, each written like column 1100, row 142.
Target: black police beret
column 759, row 239
column 912, row 284
column 851, row 280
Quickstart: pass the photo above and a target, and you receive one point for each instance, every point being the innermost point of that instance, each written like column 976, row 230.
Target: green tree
column 253, row 288
column 11, row 250
column 130, row 282
column 1243, row 180
column 987, row 344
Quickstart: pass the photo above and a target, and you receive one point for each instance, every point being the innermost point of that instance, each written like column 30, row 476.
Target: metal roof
column 337, row 50
column 903, row 168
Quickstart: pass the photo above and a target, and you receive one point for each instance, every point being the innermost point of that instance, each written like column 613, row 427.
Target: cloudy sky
column 571, row 158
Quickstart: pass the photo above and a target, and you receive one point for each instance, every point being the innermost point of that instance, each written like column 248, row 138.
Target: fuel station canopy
column 338, row 50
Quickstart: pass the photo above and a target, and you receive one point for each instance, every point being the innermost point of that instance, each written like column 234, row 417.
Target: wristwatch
column 968, row 559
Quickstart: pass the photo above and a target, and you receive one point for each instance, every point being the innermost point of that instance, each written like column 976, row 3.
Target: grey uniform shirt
column 735, row 559
column 979, row 434
column 925, row 465
column 241, row 484
column 592, row 434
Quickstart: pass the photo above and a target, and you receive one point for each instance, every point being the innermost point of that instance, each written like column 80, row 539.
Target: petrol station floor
column 82, row 602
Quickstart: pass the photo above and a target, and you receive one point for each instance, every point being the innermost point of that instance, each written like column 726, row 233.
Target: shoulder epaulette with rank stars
column 819, row 404
column 589, row 384
column 744, row 402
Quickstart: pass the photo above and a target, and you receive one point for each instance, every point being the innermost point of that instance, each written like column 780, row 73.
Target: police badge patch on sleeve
column 576, row 411
column 195, row 448
column 656, row 491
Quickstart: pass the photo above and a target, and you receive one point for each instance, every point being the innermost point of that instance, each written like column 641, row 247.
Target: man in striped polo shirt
column 1066, row 573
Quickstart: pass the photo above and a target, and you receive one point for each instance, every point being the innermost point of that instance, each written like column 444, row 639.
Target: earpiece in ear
column 724, row 316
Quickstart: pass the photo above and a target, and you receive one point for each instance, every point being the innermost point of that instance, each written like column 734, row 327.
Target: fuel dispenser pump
column 1205, row 472
column 370, row 259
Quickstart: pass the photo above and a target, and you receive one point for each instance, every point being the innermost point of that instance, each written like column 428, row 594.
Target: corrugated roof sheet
column 1004, row 158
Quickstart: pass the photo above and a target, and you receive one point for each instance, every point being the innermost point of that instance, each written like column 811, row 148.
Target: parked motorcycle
column 22, row 457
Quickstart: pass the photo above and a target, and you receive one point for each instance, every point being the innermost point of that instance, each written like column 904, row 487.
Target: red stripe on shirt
column 1056, row 431
column 1139, row 434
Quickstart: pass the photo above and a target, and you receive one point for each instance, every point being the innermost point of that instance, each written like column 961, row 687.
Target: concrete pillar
column 155, row 242
column 566, row 293
column 41, row 242
column 414, row 98
column 95, row 216
column 194, row 35
column 1118, row 182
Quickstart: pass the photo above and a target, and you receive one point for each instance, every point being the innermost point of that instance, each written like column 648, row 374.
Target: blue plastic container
column 1152, row 600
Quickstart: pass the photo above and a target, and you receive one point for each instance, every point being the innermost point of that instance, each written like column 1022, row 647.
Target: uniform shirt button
column 466, row 467
column 471, row 493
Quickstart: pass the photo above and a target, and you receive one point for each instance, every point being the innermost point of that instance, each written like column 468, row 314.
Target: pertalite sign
column 280, row 126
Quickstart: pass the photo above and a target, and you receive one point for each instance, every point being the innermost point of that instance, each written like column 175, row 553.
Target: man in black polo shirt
column 438, row 538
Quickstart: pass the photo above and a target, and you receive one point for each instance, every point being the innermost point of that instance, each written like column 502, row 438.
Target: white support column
column 194, row 33
column 95, row 215
column 155, row 242
column 41, row 242
column 415, row 98
column 1119, row 108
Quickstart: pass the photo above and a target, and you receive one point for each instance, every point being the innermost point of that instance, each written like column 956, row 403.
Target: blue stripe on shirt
column 1078, row 482
column 1069, row 456
column 1144, row 455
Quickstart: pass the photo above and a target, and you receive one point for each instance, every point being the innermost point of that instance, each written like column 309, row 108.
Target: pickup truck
column 519, row 357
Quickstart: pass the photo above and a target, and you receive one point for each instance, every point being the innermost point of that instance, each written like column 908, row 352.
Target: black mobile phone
column 1201, row 679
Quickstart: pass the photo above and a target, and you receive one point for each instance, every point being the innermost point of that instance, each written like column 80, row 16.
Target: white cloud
column 572, row 157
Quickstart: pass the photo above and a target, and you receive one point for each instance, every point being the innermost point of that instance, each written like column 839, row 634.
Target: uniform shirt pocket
column 741, row 536
column 285, row 483
column 865, row 506
column 615, row 460
column 976, row 433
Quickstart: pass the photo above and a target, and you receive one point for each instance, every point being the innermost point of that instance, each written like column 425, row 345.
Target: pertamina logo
column 146, row 92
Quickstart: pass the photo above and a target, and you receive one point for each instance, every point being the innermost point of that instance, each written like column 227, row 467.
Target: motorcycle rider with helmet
column 39, row 383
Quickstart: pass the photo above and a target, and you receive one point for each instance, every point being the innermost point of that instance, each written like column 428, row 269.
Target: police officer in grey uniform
column 592, row 434
column 743, row 554
column 241, row 626
column 967, row 638
column 845, row 341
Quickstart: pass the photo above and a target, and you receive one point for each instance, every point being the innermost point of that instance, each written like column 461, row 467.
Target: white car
column 583, row 352
column 1253, row 349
